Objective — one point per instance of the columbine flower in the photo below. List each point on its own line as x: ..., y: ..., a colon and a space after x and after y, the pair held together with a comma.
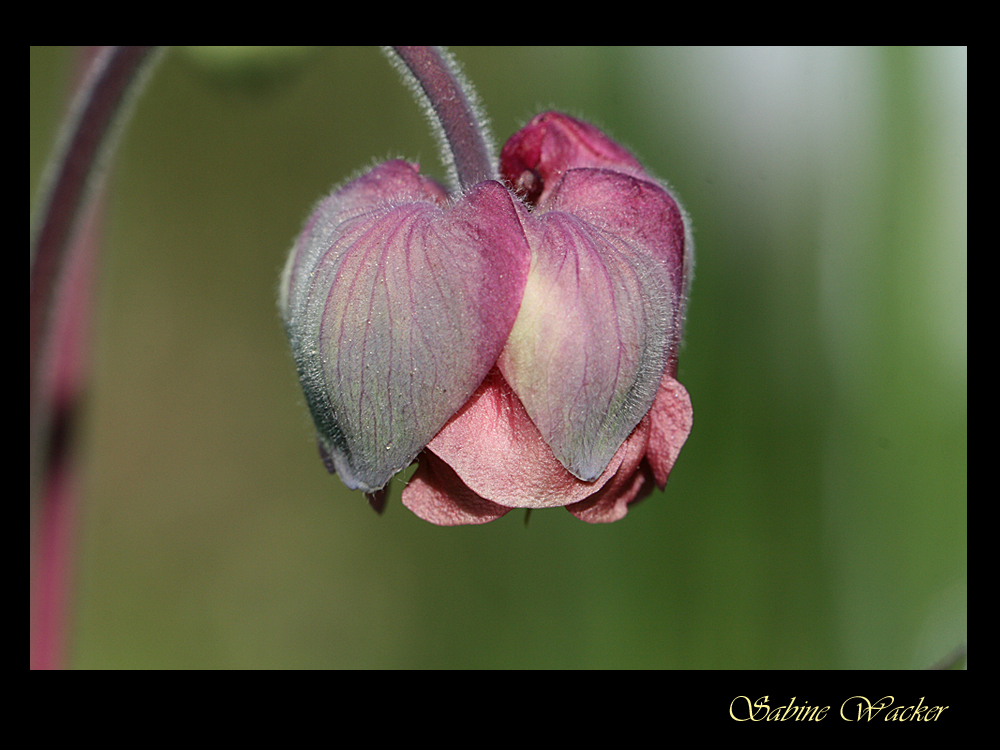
x: 518, y: 339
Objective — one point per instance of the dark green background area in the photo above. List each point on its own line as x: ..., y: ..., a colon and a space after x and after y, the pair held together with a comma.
x: 817, y: 516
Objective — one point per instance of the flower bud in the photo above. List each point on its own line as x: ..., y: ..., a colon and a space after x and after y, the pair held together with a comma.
x: 523, y: 351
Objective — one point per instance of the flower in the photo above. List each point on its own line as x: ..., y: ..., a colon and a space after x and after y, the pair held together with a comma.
x: 518, y: 339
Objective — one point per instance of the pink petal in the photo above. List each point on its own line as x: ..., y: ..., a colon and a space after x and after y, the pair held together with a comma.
x: 496, y: 450
x: 629, y: 484
x: 667, y: 426
x: 436, y: 494
x: 612, y: 503
x: 670, y: 424
x: 491, y: 448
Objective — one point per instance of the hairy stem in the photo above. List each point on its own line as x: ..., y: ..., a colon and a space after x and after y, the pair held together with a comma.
x: 454, y: 109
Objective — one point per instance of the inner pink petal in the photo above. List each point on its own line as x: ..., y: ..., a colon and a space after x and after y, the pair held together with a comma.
x: 499, y: 454
x: 436, y: 494
x: 630, y: 484
x: 670, y: 422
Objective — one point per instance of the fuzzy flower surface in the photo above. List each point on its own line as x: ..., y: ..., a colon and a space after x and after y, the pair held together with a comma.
x: 518, y: 339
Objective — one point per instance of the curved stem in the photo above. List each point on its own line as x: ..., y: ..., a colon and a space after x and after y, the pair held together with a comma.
x: 63, y: 248
x: 453, y: 102
x: 70, y: 180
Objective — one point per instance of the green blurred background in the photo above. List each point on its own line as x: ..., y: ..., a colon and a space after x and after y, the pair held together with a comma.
x: 816, y: 516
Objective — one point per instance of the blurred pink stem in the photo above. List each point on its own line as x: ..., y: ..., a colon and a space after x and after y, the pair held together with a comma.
x: 63, y: 253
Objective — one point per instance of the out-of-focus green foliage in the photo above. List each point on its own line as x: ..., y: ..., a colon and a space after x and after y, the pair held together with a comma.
x: 817, y: 515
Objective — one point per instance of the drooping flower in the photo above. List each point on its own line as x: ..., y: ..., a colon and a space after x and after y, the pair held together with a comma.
x: 518, y: 339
